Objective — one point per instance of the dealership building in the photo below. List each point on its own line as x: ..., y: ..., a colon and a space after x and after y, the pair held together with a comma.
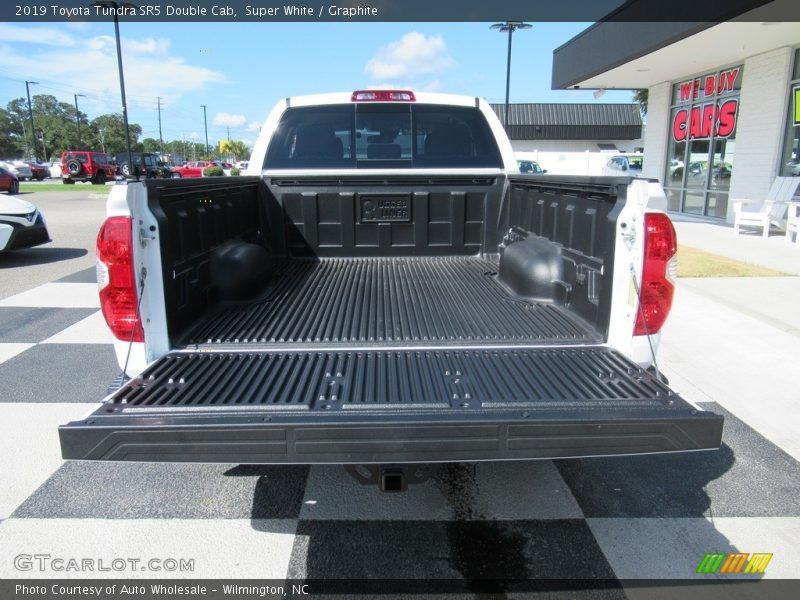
x: 723, y: 118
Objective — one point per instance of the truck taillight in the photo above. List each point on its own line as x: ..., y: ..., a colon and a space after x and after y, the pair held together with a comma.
x: 116, y: 280
x: 383, y: 96
x: 657, y: 288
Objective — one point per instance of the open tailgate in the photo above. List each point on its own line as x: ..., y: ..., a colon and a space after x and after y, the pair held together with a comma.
x: 390, y: 406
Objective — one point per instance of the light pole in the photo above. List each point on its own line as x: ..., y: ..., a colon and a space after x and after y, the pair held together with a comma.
x: 30, y: 116
x: 116, y: 8
x: 78, y: 119
x: 510, y: 27
x: 205, y: 124
x: 160, y: 137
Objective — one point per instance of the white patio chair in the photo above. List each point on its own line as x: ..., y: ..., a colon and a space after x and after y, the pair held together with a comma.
x: 772, y: 210
x: 793, y: 223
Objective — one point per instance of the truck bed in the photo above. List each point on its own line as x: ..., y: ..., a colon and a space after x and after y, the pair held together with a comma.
x: 426, y: 300
x: 305, y: 326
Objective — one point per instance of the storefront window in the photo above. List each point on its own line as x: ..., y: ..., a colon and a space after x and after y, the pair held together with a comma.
x: 694, y: 202
x: 790, y: 159
x: 673, y: 199
x: 702, y: 142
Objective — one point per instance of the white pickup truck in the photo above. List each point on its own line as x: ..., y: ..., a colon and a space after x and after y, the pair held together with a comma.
x: 384, y: 287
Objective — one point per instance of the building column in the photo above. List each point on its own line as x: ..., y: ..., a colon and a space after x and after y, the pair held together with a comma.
x: 656, y: 131
x: 760, y: 125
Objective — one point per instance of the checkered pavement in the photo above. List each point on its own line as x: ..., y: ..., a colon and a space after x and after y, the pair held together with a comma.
x: 629, y: 517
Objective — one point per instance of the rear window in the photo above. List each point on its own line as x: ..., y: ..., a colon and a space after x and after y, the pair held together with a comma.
x: 379, y: 135
x: 81, y: 156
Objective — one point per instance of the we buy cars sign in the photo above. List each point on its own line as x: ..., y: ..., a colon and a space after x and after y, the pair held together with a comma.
x: 700, y: 121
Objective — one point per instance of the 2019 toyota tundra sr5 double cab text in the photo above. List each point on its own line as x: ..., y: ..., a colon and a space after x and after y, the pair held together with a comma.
x: 384, y: 287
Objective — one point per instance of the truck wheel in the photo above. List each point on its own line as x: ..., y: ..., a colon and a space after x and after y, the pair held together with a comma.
x: 68, y: 181
x: 100, y: 179
x: 74, y: 167
x: 125, y: 169
x: 176, y: 175
x: 14, y: 188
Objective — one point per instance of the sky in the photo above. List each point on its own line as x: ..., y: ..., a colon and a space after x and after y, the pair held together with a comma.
x: 240, y: 70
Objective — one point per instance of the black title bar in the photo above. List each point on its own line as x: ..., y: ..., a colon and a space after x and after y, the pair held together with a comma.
x: 267, y: 11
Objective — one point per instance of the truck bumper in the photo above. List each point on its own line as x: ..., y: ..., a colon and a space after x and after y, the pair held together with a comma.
x: 255, y: 439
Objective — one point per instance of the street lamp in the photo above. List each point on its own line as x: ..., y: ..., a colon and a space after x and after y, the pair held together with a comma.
x: 78, y: 119
x: 116, y: 8
x: 510, y: 27
x: 30, y: 116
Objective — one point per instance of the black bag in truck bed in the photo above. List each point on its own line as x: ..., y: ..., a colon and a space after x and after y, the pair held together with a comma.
x: 458, y: 319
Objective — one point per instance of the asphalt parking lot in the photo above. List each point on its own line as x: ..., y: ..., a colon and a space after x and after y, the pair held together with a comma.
x: 594, y: 519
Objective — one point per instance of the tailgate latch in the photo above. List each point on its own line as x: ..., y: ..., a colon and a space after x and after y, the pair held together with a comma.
x: 144, y: 238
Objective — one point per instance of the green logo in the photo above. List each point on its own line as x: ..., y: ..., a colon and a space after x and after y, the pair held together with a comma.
x: 734, y: 562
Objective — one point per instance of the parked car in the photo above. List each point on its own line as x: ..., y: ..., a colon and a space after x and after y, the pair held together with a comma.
x: 18, y: 168
x: 8, y: 182
x: 21, y: 223
x: 624, y: 164
x: 675, y: 167
x: 38, y: 172
x: 530, y: 166
x: 193, y: 168
x: 242, y: 165
x: 164, y: 169
x: 80, y: 165
x: 55, y: 169
x: 699, y: 168
x: 148, y: 164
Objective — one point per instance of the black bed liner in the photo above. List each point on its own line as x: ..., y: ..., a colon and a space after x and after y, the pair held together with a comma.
x: 363, y: 406
x: 356, y: 300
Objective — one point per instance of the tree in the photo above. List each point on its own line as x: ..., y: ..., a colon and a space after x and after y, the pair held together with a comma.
x: 109, y: 134
x: 56, y: 128
x: 234, y: 148
x: 151, y: 145
x: 11, y: 141
x: 640, y: 97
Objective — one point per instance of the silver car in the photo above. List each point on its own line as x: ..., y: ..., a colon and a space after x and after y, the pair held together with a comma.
x: 18, y: 168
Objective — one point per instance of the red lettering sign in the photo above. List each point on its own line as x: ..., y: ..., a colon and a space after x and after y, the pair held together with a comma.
x: 709, y: 85
x: 701, y: 121
x: 686, y: 91
x: 726, y: 123
x: 679, y: 125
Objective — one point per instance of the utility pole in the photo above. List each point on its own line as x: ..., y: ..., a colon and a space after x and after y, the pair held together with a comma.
x: 205, y: 124
x: 229, y: 133
x: 78, y: 120
x: 160, y: 137
x: 30, y: 115
x: 122, y: 91
x: 117, y: 7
